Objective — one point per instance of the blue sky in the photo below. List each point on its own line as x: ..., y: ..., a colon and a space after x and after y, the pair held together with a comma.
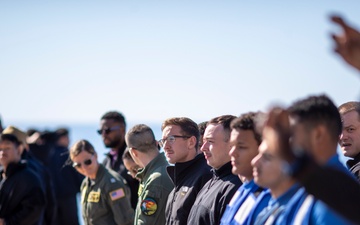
x: 71, y: 61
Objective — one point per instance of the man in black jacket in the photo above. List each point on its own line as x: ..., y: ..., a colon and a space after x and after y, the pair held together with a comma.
x: 350, y: 135
x: 180, y: 141
x: 210, y: 203
x: 22, y: 199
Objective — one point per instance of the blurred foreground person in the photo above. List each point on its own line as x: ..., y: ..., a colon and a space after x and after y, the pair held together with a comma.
x: 67, y: 180
x: 22, y: 198
x: 327, y: 183
x: 316, y: 127
x: 42, y: 172
x: 347, y: 44
x: 105, y: 199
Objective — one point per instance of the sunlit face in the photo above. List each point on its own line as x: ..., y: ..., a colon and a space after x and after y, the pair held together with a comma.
x: 350, y: 136
x: 9, y: 153
x: 244, y: 149
x: 113, y: 133
x: 267, y: 167
x: 180, y: 150
x: 86, y: 170
x: 215, y: 148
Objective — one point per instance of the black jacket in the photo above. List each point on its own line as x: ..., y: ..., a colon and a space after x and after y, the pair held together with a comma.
x: 188, y: 177
x: 22, y: 198
x: 47, y: 184
x: 210, y: 203
x: 119, y: 167
x: 354, y: 166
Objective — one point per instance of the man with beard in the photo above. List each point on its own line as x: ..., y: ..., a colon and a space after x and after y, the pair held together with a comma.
x: 112, y: 130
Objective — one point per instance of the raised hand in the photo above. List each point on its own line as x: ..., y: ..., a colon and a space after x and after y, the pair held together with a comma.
x: 347, y: 44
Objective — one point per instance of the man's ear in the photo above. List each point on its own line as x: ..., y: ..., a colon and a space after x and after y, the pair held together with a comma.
x: 192, y: 142
x: 133, y: 152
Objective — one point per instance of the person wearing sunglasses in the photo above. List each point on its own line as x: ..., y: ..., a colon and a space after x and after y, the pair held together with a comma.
x: 180, y: 141
x: 155, y: 184
x: 105, y: 199
x: 112, y: 130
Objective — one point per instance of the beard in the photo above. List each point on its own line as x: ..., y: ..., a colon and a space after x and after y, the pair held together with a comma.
x: 112, y: 143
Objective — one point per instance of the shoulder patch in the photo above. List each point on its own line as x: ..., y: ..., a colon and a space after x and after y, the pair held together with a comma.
x: 117, y: 194
x: 148, y: 206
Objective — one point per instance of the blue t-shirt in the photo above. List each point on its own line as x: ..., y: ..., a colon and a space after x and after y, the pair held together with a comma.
x: 240, y: 205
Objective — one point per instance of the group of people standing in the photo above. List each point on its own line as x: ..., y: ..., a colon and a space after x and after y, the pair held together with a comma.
x: 279, y: 167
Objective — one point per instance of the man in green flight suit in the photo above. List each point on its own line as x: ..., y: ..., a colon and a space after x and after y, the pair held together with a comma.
x: 155, y: 183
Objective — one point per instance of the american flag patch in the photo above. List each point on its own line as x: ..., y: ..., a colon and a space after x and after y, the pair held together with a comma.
x: 119, y: 193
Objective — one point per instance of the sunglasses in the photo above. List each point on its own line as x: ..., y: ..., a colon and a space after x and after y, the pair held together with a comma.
x: 86, y: 163
x: 108, y: 130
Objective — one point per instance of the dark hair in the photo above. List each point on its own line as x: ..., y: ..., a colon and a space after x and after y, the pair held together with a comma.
x: 61, y: 132
x: 202, y: 127
x: 225, y: 121
x: 247, y: 121
x: 127, y: 155
x: 316, y: 110
x: 114, y: 115
x: 142, y: 138
x: 81, y: 145
x: 10, y: 137
x: 188, y: 127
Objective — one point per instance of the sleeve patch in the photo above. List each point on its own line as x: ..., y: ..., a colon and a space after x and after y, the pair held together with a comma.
x: 117, y: 194
x: 148, y: 206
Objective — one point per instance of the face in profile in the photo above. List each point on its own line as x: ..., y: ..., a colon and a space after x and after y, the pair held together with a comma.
x: 244, y: 149
x: 215, y: 146
x: 267, y: 167
x: 176, y: 148
x: 350, y: 137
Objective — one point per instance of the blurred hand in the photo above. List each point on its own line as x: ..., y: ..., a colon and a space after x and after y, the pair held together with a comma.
x: 347, y: 44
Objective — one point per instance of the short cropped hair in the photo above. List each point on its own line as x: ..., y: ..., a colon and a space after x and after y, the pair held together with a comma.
x: 225, y: 121
x: 348, y: 107
x: 202, y: 127
x: 247, y: 121
x: 316, y: 110
x: 142, y: 138
x: 114, y: 115
x: 188, y: 127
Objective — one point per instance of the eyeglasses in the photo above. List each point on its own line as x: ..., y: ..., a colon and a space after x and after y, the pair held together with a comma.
x: 86, y: 163
x: 171, y: 139
x: 108, y: 130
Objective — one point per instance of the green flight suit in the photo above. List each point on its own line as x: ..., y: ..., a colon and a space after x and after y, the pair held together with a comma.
x: 154, y: 189
x: 106, y: 200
